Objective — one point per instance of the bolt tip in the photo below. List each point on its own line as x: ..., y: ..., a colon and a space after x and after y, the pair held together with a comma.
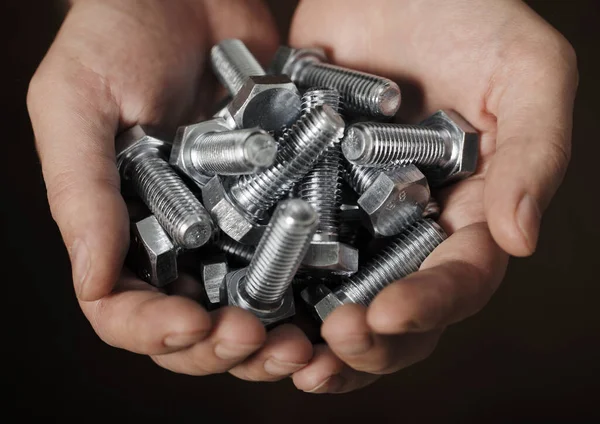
x: 389, y: 100
x: 299, y: 211
x: 195, y: 234
x: 331, y: 117
x: 356, y: 144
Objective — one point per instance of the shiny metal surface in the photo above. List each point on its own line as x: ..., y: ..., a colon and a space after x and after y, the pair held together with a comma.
x: 213, y: 272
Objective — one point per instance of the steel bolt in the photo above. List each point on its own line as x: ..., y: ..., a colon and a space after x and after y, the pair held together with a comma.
x: 140, y: 159
x: 445, y: 146
x: 234, y: 250
x: 319, y: 96
x: 264, y: 287
x: 213, y: 272
x: 401, y: 257
x: 362, y: 93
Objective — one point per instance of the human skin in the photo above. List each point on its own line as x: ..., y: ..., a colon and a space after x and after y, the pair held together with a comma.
x: 115, y: 64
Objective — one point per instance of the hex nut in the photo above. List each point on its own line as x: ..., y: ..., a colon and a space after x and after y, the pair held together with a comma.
x: 289, y: 61
x: 334, y: 256
x: 213, y: 274
x: 463, y: 148
x: 270, y: 102
x: 320, y: 300
x: 183, y: 145
x: 153, y: 254
x: 395, y: 199
x: 137, y: 141
x: 231, y: 219
x: 232, y: 295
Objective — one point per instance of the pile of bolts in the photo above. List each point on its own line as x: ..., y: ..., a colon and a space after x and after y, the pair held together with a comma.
x: 301, y: 204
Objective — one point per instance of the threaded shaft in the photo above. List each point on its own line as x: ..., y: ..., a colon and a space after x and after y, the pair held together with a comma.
x: 402, y: 257
x: 233, y: 63
x: 280, y: 251
x: 370, y: 143
x: 361, y: 93
x: 360, y: 178
x: 176, y: 208
x: 319, y: 96
x: 235, y: 250
x: 234, y: 152
x: 306, y: 142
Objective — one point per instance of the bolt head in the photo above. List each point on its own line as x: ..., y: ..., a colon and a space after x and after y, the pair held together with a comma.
x: 320, y: 300
x: 464, y: 152
x: 152, y: 253
x: 232, y: 221
x: 137, y: 141
x: 269, y: 315
x: 289, y: 61
x: 213, y: 274
x: 183, y: 146
x: 334, y: 256
x: 395, y: 200
x: 270, y: 102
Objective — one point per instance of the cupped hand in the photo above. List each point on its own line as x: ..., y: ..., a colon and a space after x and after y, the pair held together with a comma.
x: 115, y: 64
x: 513, y: 77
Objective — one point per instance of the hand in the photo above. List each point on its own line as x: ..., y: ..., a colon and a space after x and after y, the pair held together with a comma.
x: 514, y: 78
x: 115, y: 64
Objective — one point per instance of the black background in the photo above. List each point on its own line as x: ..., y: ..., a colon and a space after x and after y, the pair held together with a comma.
x: 531, y: 355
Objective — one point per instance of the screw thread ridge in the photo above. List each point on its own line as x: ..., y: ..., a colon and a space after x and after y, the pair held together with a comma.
x: 402, y: 257
x: 176, y: 208
x: 233, y: 63
x: 318, y: 96
x: 361, y: 92
x: 402, y: 144
x: 280, y: 251
x: 302, y: 148
x: 235, y: 250
x: 360, y: 178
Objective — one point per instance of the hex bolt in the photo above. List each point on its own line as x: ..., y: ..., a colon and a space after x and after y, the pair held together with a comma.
x: 141, y: 159
x: 264, y: 287
x: 235, y: 251
x: 392, y: 198
x: 362, y: 93
x: 401, y: 257
x: 213, y: 272
x: 241, y: 207
x: 445, y: 146
x: 259, y: 100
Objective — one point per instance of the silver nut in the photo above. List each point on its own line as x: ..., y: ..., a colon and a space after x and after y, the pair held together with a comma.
x: 181, y: 153
x: 153, y: 254
x: 213, y: 274
x: 232, y: 221
x: 270, y: 102
x: 137, y: 141
x: 320, y: 300
x: 289, y: 61
x: 396, y: 199
x: 268, y: 314
x: 464, y: 150
x: 334, y: 256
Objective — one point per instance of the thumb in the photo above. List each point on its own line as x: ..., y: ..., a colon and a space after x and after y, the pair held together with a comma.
x: 74, y: 119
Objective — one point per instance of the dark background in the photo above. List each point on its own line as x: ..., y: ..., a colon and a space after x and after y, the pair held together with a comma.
x: 531, y: 355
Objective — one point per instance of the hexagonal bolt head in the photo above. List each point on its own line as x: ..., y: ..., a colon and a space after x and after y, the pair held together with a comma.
x: 152, y: 253
x: 181, y: 153
x: 289, y: 61
x: 463, y: 148
x: 213, y: 274
x: 333, y: 256
x: 233, y: 294
x: 395, y: 200
x: 270, y: 102
x: 320, y: 300
x: 232, y: 221
x: 134, y: 142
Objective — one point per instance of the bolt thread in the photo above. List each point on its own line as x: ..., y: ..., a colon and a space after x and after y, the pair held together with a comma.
x: 280, y: 251
x: 393, y: 144
x: 360, y: 178
x: 402, y: 257
x: 233, y: 152
x: 233, y: 63
x: 176, y: 208
x: 361, y: 93
x: 303, y: 146
x: 319, y: 96
x: 235, y: 250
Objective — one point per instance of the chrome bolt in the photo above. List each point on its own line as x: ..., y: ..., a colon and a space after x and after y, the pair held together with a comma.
x: 141, y: 159
x: 234, y: 250
x: 264, y: 287
x: 445, y: 146
x: 319, y: 96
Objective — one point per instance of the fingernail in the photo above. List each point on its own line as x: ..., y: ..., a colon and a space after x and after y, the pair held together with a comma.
x: 80, y: 264
x: 183, y: 339
x: 229, y: 351
x: 528, y: 220
x: 331, y: 385
x: 280, y: 368
x: 355, y: 345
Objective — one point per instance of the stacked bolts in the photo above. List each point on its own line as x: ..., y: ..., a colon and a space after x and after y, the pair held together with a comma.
x: 287, y: 186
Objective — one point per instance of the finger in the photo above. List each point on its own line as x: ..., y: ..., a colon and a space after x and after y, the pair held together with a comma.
x: 286, y: 351
x: 139, y: 318
x: 534, y: 106
x: 326, y: 373
x: 74, y: 119
x: 236, y: 335
x: 455, y: 282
